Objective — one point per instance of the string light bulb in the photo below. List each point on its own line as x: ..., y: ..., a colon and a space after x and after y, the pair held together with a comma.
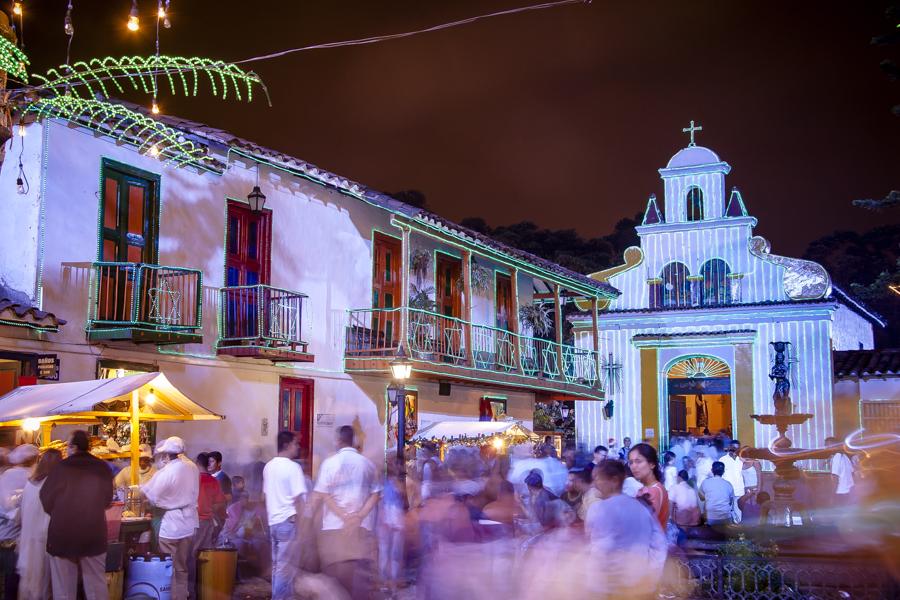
x: 67, y: 23
x: 22, y: 130
x: 17, y: 9
x: 154, y: 151
x: 134, y: 23
x: 164, y: 14
x: 161, y: 12
x: 30, y: 425
x: 154, y: 108
x: 20, y: 186
x: 150, y: 398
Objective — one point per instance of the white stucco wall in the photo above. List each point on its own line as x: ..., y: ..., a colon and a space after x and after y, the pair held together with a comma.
x: 851, y: 331
x: 20, y: 226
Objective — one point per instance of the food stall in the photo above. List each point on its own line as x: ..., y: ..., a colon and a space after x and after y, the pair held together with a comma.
x: 146, y: 397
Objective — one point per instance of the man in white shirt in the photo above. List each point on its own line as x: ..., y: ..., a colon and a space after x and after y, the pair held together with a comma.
x: 841, y: 474
x: 349, y: 487
x: 175, y: 488
x: 283, y: 487
x: 734, y: 475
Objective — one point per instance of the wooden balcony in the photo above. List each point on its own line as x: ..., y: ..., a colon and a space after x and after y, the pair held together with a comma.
x: 144, y: 304
x: 261, y: 321
x: 449, y: 348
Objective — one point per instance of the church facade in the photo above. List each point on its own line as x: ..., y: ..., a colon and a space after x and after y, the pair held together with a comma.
x: 686, y: 347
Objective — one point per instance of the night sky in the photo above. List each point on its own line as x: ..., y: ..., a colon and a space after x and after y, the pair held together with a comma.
x: 562, y: 116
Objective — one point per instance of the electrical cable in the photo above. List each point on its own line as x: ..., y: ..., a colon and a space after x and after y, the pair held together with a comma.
x: 405, y: 34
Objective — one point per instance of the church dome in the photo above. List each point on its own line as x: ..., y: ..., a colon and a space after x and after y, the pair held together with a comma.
x: 693, y: 156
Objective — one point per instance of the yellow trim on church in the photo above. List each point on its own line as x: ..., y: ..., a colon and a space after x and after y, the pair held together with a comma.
x: 633, y: 256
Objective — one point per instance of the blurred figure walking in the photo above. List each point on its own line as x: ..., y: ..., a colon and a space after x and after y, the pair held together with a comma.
x: 284, y: 487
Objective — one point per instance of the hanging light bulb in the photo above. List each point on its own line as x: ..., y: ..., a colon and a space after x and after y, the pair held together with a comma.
x: 165, y: 14
x: 21, y: 181
x: 69, y: 29
x: 154, y: 108
x: 161, y: 12
x: 154, y: 151
x: 17, y: 9
x: 22, y: 130
x: 133, y: 22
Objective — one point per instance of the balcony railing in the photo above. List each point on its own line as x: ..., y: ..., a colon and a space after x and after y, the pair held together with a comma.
x: 434, y: 338
x: 143, y: 302
x: 261, y: 321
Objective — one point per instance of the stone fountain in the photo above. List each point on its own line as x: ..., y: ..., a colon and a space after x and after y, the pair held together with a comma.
x: 784, y: 507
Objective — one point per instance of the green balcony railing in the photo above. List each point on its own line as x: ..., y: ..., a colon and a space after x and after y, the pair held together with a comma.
x: 143, y: 296
x: 447, y: 340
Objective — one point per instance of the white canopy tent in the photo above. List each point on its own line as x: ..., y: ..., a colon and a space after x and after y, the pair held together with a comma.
x: 461, y: 432
x: 136, y: 398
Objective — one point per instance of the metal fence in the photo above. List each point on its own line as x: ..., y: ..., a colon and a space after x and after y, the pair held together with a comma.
x: 142, y: 295
x: 794, y: 578
x: 261, y: 314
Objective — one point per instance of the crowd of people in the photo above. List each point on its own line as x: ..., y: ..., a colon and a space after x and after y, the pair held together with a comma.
x: 444, y: 518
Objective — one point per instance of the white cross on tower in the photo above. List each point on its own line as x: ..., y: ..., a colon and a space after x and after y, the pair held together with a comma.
x: 691, y: 131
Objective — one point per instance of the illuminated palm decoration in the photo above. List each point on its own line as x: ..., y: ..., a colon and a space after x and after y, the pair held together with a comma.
x: 80, y: 93
x: 699, y: 366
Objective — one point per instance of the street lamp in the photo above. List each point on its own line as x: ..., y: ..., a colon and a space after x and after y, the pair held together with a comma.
x: 401, y: 369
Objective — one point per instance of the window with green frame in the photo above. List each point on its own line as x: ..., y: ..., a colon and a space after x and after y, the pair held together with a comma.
x: 129, y: 214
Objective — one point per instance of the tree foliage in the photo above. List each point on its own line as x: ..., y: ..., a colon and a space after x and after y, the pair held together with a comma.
x: 565, y: 246
x: 865, y: 264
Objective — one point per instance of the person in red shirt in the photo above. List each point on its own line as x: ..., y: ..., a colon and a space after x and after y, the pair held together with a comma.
x: 210, y: 506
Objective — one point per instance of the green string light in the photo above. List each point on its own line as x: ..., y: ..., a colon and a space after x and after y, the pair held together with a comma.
x: 88, y: 79
x: 125, y: 125
x: 12, y: 59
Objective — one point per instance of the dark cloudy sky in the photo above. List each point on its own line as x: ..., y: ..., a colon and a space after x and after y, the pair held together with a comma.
x: 560, y: 116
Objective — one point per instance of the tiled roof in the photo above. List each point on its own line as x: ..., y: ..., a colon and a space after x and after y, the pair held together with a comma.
x: 857, y: 306
x: 14, y: 313
x: 653, y: 336
x: 479, y: 238
x: 866, y: 363
x: 369, y: 195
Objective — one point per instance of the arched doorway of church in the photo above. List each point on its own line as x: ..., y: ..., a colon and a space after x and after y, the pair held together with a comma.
x: 699, y: 395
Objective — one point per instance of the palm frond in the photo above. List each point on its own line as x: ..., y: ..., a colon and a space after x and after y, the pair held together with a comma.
x: 124, y: 125
x: 87, y: 79
x: 13, y: 60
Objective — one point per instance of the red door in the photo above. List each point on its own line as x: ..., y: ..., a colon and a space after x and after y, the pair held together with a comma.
x: 385, y: 290
x: 247, y: 250
x: 295, y: 411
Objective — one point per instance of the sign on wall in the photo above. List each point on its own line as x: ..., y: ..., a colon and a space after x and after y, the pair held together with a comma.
x: 48, y: 367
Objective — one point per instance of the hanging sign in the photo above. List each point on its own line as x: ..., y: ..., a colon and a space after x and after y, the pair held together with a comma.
x: 48, y: 367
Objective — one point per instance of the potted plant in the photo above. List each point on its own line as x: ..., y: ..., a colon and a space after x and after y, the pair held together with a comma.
x: 421, y: 321
x: 535, y: 318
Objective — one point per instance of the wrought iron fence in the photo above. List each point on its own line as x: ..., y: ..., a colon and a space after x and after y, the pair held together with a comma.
x: 261, y: 314
x: 142, y: 295
x: 794, y: 578
x: 442, y: 339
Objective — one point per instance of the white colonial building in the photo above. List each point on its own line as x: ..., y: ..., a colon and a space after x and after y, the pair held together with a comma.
x: 686, y: 346
x: 114, y: 260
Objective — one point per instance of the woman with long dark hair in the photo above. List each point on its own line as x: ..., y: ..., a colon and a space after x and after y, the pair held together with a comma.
x: 644, y: 464
x: 34, y: 562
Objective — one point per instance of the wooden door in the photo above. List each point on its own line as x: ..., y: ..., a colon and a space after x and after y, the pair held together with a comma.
x: 128, y: 234
x: 295, y: 411
x: 386, y: 281
x: 248, y: 245
x: 505, y: 302
x: 449, y: 293
x: 130, y: 225
x: 248, y: 248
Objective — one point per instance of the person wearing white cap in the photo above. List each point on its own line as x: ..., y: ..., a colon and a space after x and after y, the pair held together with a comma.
x: 145, y: 472
x: 12, y: 483
x: 175, y: 489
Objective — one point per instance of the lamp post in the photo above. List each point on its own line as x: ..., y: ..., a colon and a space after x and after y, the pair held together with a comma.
x: 401, y: 369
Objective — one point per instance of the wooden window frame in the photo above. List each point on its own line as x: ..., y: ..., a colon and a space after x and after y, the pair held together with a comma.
x: 153, y: 179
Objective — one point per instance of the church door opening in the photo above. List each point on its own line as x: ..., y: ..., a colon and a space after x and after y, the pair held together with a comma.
x: 699, y: 394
